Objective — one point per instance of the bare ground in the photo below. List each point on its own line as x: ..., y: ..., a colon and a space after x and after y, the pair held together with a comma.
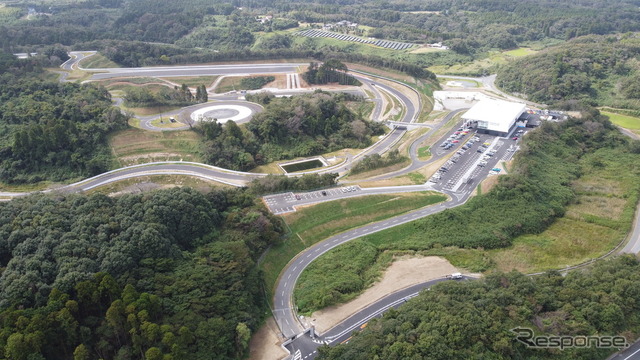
x: 403, y: 272
x: 265, y: 343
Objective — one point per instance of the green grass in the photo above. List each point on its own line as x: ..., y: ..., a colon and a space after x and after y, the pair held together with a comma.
x: 312, y: 224
x: 135, y: 146
x: 417, y: 178
x: 424, y: 153
x: 485, y: 64
x: 319, y: 222
x: 625, y: 121
x: 98, y: 61
x: 523, y: 51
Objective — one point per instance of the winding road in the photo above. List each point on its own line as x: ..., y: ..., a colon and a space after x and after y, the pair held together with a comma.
x: 284, y: 310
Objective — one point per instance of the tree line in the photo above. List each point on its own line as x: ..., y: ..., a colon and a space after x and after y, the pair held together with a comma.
x: 164, y: 275
x: 50, y: 130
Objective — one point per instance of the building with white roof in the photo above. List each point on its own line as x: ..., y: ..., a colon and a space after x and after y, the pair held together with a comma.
x: 495, y: 117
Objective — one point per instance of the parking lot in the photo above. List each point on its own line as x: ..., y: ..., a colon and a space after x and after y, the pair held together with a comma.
x: 284, y: 203
x: 472, y: 157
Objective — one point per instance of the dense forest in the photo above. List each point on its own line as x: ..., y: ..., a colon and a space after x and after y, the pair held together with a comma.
x: 165, y: 275
x: 288, y: 127
x: 601, y: 70
x: 468, y: 28
x: 51, y: 130
x: 471, y: 319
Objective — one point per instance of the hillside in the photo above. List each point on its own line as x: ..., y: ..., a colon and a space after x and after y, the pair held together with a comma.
x: 601, y: 70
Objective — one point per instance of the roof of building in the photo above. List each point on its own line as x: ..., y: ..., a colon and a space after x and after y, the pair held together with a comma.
x: 498, y: 113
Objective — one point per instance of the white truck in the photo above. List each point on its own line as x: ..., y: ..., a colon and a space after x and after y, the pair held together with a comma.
x: 456, y: 276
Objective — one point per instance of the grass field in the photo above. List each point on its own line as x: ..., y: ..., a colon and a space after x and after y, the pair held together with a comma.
x: 482, y: 65
x: 599, y: 218
x: 520, y: 52
x: 625, y: 121
x: 165, y: 123
x: 145, y: 111
x: 153, y: 182
x: 424, y: 153
x: 314, y: 223
x: 135, y: 146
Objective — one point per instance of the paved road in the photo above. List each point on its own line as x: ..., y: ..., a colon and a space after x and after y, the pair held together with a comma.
x: 196, y: 70
x: 75, y: 58
x: 307, y: 346
x: 283, y: 311
x: 630, y: 353
x: 287, y: 202
x: 145, y: 121
x: 633, y: 245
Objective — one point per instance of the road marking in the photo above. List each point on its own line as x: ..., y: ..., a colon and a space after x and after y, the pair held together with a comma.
x: 289, y: 277
x: 629, y: 357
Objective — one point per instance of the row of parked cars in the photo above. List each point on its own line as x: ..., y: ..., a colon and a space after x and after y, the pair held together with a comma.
x: 455, y: 138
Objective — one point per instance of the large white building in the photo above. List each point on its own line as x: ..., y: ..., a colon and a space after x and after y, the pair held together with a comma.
x: 495, y: 117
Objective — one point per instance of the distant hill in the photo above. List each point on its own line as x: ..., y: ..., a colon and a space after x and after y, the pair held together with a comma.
x: 602, y: 70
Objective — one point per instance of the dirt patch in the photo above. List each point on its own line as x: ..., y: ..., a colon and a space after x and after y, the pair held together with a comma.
x: 403, y: 272
x: 265, y: 343
x: 279, y: 83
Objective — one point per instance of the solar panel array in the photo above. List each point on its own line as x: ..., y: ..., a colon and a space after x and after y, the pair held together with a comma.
x: 393, y: 45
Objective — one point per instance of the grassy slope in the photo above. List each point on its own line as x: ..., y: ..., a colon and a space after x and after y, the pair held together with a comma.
x: 133, y: 146
x: 625, y: 121
x: 598, y: 220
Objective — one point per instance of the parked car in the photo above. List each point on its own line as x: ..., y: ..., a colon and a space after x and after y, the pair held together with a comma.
x: 298, y: 197
x: 515, y: 138
x: 324, y: 193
